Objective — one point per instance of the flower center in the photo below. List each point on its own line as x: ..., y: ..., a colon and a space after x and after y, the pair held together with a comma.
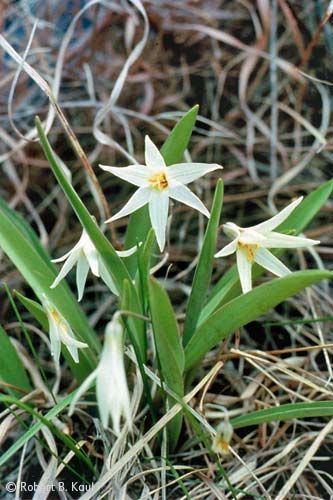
x: 158, y: 181
x: 221, y: 446
x: 56, y: 316
x: 249, y: 249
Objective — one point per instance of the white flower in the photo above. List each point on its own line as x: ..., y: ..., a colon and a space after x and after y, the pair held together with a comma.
x: 222, y: 438
x: 85, y: 255
x: 157, y: 183
x: 112, y: 392
x: 60, y: 332
x: 251, y: 243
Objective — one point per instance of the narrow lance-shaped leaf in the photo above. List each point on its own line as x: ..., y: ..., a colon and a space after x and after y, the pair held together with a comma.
x: 228, y: 286
x: 144, y: 260
x: 246, y: 308
x: 26, y: 231
x: 172, y: 151
x: 169, y: 349
x: 284, y: 412
x: 112, y: 262
x: 204, y: 268
x: 34, y: 308
x: 12, y: 371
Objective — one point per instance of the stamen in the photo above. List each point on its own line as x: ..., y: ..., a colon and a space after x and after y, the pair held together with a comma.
x: 221, y: 446
x: 249, y: 249
x: 159, y: 181
x: 56, y: 316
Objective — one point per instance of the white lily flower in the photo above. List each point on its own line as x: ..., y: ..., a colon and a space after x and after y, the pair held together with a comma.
x: 157, y: 183
x: 85, y: 255
x: 251, y: 244
x: 222, y: 438
x: 112, y: 392
x: 60, y: 332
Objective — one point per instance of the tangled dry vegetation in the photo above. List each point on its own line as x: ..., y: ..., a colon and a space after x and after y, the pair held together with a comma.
x: 261, y: 72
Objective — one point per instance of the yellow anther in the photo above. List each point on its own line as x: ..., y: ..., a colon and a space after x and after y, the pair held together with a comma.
x: 250, y: 250
x: 159, y: 181
x: 220, y: 445
x: 56, y: 316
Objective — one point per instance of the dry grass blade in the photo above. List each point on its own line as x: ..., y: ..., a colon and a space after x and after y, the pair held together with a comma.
x: 70, y: 134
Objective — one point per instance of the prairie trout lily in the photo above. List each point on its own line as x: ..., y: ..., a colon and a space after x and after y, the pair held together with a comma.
x: 112, y: 392
x: 222, y: 438
x: 60, y: 332
x: 157, y: 183
x: 251, y: 244
x: 85, y: 255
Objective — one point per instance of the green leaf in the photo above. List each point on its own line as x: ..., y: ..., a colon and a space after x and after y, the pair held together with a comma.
x: 172, y: 151
x: 175, y: 145
x: 26, y: 231
x: 34, y: 308
x: 169, y: 349
x: 246, y: 308
x: 112, y: 262
x: 130, y: 323
x: 284, y: 412
x: 12, y: 371
x: 144, y: 260
x: 135, y: 324
x: 204, y: 268
x: 228, y: 286
x: 40, y: 274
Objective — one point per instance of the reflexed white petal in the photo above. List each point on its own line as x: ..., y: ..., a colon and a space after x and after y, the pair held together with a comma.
x: 69, y: 264
x: 275, y: 221
x: 104, y: 395
x: 227, y: 250
x: 278, y: 240
x: 72, y: 349
x: 267, y: 260
x: 244, y: 270
x: 67, y: 338
x: 139, y: 198
x: 81, y: 275
x: 76, y: 248
x: 183, y: 194
x: 189, y: 172
x: 91, y: 255
x: 153, y: 157
x: 64, y: 257
x: 135, y: 174
x: 128, y: 252
x: 158, y: 213
x: 231, y: 230
x: 107, y: 278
